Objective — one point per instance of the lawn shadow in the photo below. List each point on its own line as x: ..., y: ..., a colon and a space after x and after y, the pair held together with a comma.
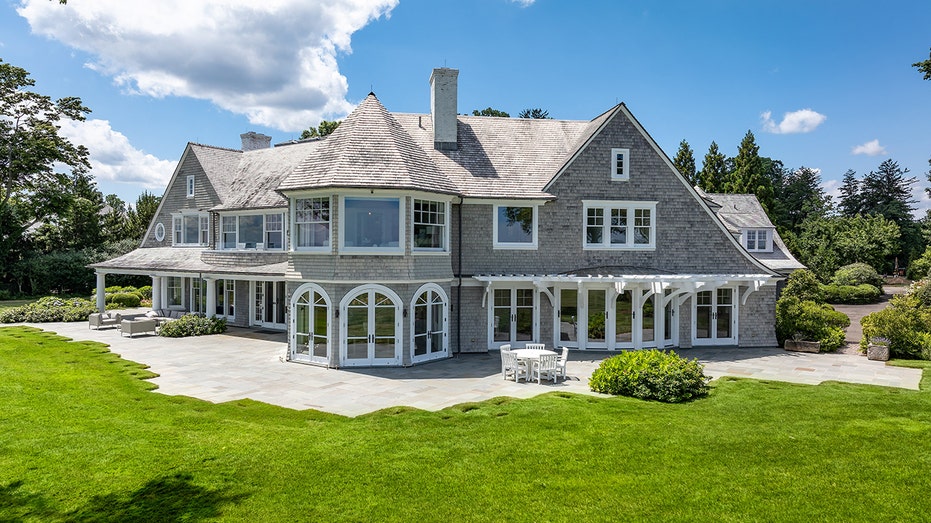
x: 166, y: 499
x: 16, y: 504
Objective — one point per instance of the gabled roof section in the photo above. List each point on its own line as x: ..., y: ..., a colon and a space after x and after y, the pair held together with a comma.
x: 219, y: 164
x: 370, y: 149
x: 261, y: 171
x: 500, y: 158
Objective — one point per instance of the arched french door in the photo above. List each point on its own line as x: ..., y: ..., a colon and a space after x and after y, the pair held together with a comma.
x: 429, y: 324
x: 370, y: 323
x: 310, y: 325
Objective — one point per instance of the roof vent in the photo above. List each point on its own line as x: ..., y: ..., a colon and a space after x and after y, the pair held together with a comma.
x: 252, y: 141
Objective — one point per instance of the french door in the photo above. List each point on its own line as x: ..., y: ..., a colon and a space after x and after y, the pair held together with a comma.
x: 310, y: 325
x: 372, y: 328
x: 512, y: 317
x: 269, y: 304
x: 430, y: 326
x: 605, y: 319
x: 715, y: 315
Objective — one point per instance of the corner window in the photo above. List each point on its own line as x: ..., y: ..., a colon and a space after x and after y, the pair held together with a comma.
x: 758, y: 240
x: 620, y: 225
x: 515, y: 227
x: 429, y: 225
x: 190, y: 186
x: 252, y: 231
x: 371, y: 225
x: 620, y: 164
x: 190, y: 229
x: 312, y: 223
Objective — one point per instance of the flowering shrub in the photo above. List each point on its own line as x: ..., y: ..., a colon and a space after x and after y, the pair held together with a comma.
x: 192, y: 325
x: 650, y: 374
x: 50, y: 309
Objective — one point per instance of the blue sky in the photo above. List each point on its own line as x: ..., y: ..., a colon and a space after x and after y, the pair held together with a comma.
x: 826, y: 85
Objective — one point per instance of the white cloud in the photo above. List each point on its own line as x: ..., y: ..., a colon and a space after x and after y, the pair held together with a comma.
x: 801, y: 121
x: 113, y: 158
x: 524, y: 3
x: 871, y: 148
x: 273, y: 61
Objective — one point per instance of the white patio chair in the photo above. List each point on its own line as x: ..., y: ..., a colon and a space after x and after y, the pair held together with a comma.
x: 545, y: 366
x: 512, y: 367
x: 561, y: 362
x: 535, y: 346
x: 504, y: 348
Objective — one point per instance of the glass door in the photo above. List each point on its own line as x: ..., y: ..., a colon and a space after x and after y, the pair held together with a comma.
x: 568, y: 317
x: 269, y: 304
x: 311, y: 328
x: 512, y: 317
x: 597, y: 314
x: 624, y: 320
x: 429, y: 326
x: 715, y: 317
x: 372, y: 331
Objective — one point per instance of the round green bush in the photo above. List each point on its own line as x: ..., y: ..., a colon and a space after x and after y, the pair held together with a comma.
x: 804, y: 285
x: 192, y: 325
x: 125, y: 299
x: 857, y: 274
x: 650, y: 375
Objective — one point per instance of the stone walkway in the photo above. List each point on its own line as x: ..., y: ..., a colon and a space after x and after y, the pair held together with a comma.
x: 246, y: 364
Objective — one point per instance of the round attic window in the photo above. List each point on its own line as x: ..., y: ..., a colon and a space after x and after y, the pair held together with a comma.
x: 159, y: 232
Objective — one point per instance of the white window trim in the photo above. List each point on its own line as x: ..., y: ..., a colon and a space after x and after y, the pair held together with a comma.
x: 510, y: 245
x: 160, y: 232
x: 190, y: 186
x: 175, y: 218
x: 630, y: 207
x: 292, y: 211
x: 744, y: 240
x: 257, y: 212
x: 614, y: 176
x: 380, y: 251
x: 431, y: 250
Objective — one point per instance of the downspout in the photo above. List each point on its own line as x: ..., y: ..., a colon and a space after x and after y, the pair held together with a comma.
x: 459, y: 284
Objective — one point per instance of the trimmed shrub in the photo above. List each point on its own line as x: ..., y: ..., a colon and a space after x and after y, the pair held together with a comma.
x: 145, y: 292
x: 192, y: 325
x: 650, y: 375
x: 807, y: 320
x: 50, y: 309
x: 906, y: 323
x: 857, y: 274
x: 125, y: 299
x: 851, y: 294
x: 804, y: 285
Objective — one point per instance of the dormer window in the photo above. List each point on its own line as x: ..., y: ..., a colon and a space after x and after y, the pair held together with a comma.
x: 620, y: 164
x: 758, y: 240
x: 190, y: 186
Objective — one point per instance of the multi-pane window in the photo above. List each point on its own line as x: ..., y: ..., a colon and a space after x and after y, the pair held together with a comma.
x: 620, y: 164
x: 190, y: 186
x: 312, y: 222
x: 174, y: 288
x: 252, y: 231
x: 226, y: 298
x: 758, y: 240
x: 620, y: 225
x: 429, y: 225
x: 190, y: 229
x: 515, y: 227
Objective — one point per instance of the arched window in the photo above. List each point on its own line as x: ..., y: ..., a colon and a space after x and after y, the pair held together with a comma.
x: 370, y: 322
x: 310, y: 325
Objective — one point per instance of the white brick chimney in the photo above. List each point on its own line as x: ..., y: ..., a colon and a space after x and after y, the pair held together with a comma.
x: 444, y: 107
x: 253, y: 140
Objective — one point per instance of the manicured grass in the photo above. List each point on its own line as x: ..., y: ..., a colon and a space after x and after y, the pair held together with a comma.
x: 9, y: 304
x: 83, y: 438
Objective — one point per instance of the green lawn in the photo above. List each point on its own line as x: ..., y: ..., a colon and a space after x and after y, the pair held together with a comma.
x: 9, y: 304
x: 82, y: 438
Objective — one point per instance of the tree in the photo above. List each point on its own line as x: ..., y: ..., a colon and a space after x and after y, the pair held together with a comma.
x: 685, y: 162
x: 115, y: 219
x: 141, y: 215
x: 888, y: 192
x: 325, y: 128
x: 826, y: 244
x: 488, y: 111
x: 713, y: 170
x: 924, y: 67
x: 536, y: 114
x: 748, y: 176
x: 850, y: 204
x: 801, y: 198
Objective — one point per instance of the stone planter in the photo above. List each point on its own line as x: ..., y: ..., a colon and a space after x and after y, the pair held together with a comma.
x: 803, y: 346
x: 877, y: 352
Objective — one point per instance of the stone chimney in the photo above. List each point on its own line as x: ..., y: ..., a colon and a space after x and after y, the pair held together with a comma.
x: 252, y: 141
x: 443, y: 106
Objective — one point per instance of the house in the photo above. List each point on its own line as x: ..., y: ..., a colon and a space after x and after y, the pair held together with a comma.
x: 404, y: 238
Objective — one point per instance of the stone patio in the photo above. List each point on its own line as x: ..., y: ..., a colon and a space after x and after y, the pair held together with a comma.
x: 244, y: 363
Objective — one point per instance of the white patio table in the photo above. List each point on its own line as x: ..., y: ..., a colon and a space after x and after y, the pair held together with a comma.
x: 530, y: 357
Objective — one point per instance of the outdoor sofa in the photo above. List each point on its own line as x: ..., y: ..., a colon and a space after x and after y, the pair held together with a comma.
x: 139, y: 326
x: 104, y: 319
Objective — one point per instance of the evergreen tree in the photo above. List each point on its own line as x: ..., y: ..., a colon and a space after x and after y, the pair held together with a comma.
x: 748, y: 175
x: 535, y: 114
x: 802, y: 199
x: 850, y: 204
x: 685, y: 162
x: 713, y: 170
x: 325, y: 128
x: 141, y: 215
x: 888, y: 192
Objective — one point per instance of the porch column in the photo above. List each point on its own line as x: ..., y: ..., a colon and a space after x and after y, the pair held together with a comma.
x: 156, y: 292
x: 211, y: 297
x: 101, y: 291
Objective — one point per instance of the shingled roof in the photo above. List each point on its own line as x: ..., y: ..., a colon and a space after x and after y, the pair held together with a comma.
x: 260, y: 172
x: 220, y: 166
x: 369, y: 149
